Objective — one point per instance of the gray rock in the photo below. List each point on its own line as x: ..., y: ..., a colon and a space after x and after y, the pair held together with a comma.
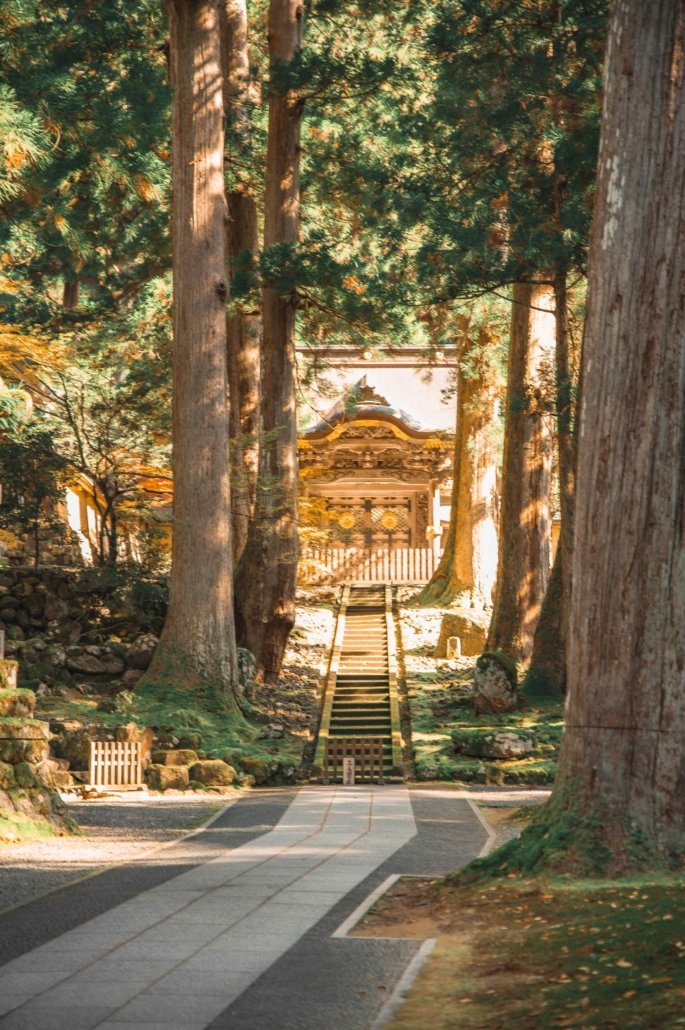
x: 494, y: 684
x: 94, y: 650
x: 15, y: 632
x: 130, y: 678
x: 55, y: 655
x: 139, y: 654
x: 86, y: 663
x: 274, y: 731
x: 112, y: 665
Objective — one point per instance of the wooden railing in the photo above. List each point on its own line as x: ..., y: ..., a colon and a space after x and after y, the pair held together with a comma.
x: 373, y: 565
x: 115, y: 764
x: 366, y: 751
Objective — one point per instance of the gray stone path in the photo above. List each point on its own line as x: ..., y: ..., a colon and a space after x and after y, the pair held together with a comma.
x: 177, y: 955
x: 332, y: 983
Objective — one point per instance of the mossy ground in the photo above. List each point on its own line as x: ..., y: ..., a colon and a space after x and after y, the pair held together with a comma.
x: 201, y: 720
x: 440, y: 702
x: 527, y: 954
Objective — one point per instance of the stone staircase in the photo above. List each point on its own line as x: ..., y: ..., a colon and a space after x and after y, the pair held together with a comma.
x: 361, y: 696
x: 361, y: 703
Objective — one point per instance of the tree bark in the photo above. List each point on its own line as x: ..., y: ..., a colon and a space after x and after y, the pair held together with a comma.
x: 70, y: 294
x: 243, y: 326
x: 622, y: 756
x: 547, y: 671
x: 198, y: 643
x: 525, y: 529
x: 243, y: 338
x: 266, y: 573
x: 469, y: 562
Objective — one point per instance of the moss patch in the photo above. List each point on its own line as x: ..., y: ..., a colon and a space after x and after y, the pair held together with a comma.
x: 16, y: 827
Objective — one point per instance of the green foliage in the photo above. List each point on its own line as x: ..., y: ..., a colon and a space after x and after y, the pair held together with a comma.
x: 33, y: 478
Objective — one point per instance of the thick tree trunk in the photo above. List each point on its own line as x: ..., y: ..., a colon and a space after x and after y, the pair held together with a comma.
x: 525, y: 530
x: 547, y: 671
x: 469, y: 562
x: 622, y: 757
x: 198, y: 644
x: 243, y: 327
x: 243, y: 337
x: 266, y: 573
x: 70, y: 294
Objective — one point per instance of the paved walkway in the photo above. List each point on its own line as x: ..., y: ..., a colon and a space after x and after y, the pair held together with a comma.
x: 243, y: 938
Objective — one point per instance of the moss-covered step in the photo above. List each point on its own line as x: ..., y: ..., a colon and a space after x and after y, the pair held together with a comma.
x: 12, y: 728
x: 17, y: 702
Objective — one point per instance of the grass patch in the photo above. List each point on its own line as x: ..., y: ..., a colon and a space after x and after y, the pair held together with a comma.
x: 16, y: 827
x: 442, y: 712
x: 531, y: 954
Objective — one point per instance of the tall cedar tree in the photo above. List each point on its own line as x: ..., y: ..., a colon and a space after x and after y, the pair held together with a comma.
x: 266, y: 573
x: 243, y: 327
x: 525, y: 530
x: 198, y: 642
x: 526, y: 86
x: 619, y: 791
x: 468, y: 565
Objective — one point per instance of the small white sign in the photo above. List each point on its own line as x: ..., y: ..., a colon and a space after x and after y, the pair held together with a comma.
x: 2, y: 644
x: 348, y: 771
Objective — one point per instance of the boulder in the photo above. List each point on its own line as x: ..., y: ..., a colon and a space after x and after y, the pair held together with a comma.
x: 213, y: 773
x: 130, y: 678
x: 39, y: 775
x: 55, y: 655
x: 477, y: 743
x: 85, y: 663
x: 494, y: 684
x: 112, y: 665
x: 14, y: 632
x: 163, y: 777
x: 45, y: 673
x: 469, y: 625
x: 74, y: 747
x: 181, y: 757
x: 274, y: 731
x: 17, y: 702
x: 31, y: 751
x: 261, y: 769
x: 139, y: 654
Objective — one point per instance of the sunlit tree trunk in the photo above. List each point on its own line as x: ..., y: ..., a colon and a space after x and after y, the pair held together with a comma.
x: 198, y: 644
x: 266, y: 572
x: 547, y: 670
x: 468, y: 564
x: 622, y: 755
x: 243, y: 328
x: 525, y: 527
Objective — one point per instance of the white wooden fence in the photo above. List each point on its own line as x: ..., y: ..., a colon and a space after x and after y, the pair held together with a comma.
x: 361, y: 565
x: 115, y: 764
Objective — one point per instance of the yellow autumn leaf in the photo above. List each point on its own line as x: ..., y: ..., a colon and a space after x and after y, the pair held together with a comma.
x: 624, y: 964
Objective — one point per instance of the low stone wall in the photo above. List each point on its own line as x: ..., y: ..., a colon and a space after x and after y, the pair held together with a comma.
x: 28, y: 772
